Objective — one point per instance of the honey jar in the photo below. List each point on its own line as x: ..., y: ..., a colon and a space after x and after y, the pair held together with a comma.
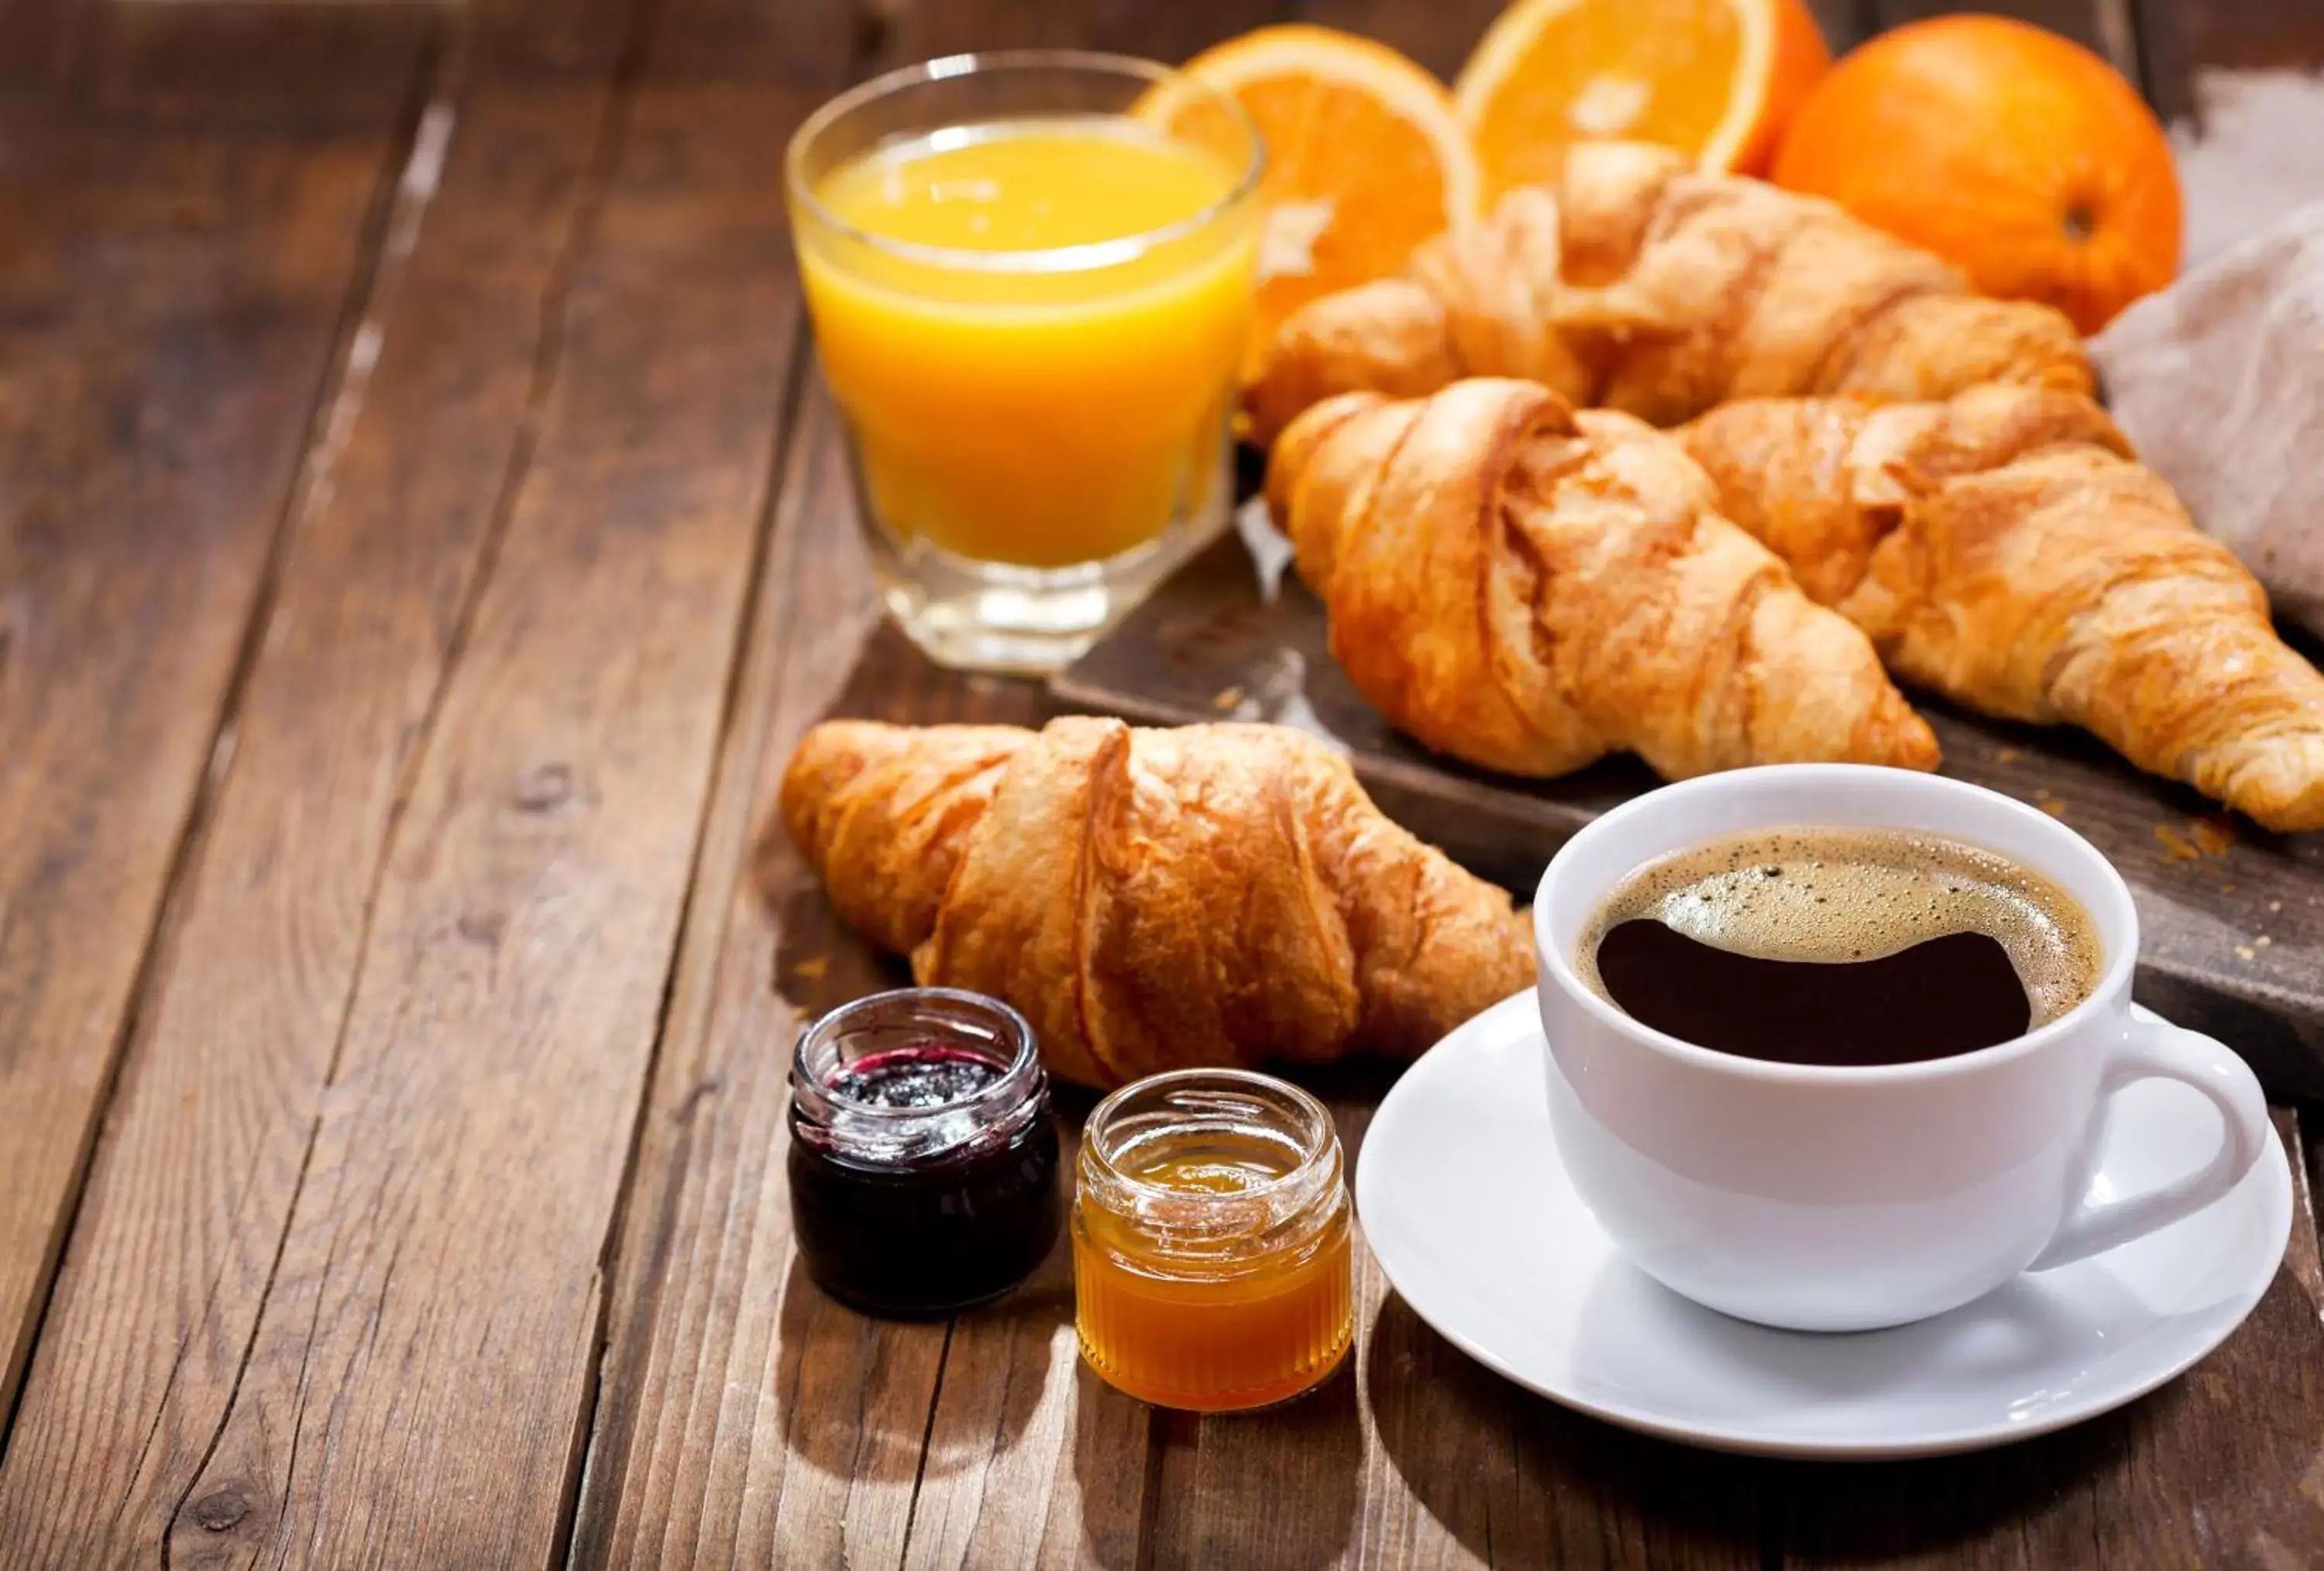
x: 1212, y: 1242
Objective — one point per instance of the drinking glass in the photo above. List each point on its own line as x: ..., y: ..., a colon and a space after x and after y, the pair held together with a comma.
x: 1038, y: 433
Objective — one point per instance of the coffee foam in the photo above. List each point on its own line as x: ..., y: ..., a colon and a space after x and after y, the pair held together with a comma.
x: 1839, y: 895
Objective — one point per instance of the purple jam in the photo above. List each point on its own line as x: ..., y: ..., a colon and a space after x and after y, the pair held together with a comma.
x: 924, y: 1075
x: 927, y: 1236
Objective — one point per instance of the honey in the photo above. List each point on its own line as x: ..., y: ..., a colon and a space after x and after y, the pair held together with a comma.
x: 1212, y: 1265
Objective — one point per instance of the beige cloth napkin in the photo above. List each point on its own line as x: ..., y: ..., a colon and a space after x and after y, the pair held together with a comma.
x: 2219, y: 381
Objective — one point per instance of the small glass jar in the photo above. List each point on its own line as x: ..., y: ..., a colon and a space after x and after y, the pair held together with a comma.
x: 1212, y: 1265
x: 923, y: 1158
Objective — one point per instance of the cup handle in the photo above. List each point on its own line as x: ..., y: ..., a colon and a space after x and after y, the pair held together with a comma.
x: 2155, y: 1050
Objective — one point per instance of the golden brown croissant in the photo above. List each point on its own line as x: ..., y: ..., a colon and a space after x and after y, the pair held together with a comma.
x: 1152, y: 900
x: 1642, y: 284
x: 2006, y: 549
x: 1528, y: 589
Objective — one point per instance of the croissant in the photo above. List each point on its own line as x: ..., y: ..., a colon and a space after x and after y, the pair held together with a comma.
x: 1529, y: 588
x: 1642, y: 284
x: 2006, y: 549
x: 1152, y: 900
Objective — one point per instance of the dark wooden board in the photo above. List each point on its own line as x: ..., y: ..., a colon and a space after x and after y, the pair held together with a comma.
x: 2232, y: 917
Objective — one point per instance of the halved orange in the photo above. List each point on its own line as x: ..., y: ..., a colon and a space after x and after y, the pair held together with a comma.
x: 1718, y: 79
x: 1365, y: 159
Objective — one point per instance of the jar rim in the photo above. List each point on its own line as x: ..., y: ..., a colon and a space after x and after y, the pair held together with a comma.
x: 1175, y: 1217
x: 938, y: 1012
x: 1089, y: 256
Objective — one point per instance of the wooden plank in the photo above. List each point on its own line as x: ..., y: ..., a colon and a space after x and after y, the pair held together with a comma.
x: 1032, y: 1460
x: 2218, y: 1468
x: 192, y: 1187
x: 420, y: 1379
x: 180, y: 255
x: 2183, y: 37
x: 2208, y: 889
x: 743, y: 1413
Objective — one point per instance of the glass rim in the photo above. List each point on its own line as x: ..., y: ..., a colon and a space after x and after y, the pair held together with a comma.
x: 1019, y: 1078
x: 1089, y: 256
x: 1295, y: 1110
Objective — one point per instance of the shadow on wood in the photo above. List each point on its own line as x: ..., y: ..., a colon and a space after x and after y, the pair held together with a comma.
x: 1519, y: 1480
x: 1277, y: 1488
x: 829, y: 1360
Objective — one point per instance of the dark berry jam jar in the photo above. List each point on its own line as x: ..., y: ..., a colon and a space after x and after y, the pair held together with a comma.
x: 923, y: 1157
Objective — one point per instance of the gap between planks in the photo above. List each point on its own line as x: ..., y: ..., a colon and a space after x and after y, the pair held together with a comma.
x: 151, y: 971
x: 690, y: 989
x: 391, y: 231
x: 425, y: 145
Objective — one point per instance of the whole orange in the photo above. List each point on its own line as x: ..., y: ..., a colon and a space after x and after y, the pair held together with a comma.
x: 2019, y: 156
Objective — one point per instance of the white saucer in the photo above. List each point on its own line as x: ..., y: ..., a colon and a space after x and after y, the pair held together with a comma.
x: 1468, y: 1209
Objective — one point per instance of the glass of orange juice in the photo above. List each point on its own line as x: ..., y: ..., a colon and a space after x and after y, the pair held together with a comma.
x: 1030, y: 275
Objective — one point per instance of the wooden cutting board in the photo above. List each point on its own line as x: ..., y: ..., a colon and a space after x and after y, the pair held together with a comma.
x: 2232, y: 917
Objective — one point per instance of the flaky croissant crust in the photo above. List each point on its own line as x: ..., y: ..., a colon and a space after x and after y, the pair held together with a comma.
x: 1152, y: 898
x: 1642, y: 284
x: 1529, y: 588
x: 2005, y: 548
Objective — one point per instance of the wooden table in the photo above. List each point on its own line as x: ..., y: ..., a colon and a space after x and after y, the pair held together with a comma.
x: 422, y: 539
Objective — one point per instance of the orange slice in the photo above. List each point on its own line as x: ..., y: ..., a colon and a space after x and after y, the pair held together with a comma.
x: 1716, y: 79
x: 1365, y: 159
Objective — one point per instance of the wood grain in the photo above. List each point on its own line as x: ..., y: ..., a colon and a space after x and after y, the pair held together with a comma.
x: 447, y: 1146
x: 746, y: 1419
x: 192, y: 1187
x: 2209, y: 889
x: 2181, y: 37
x: 179, y: 254
x: 419, y: 1378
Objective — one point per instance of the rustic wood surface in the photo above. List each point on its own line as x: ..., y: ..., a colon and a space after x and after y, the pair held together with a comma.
x: 422, y: 538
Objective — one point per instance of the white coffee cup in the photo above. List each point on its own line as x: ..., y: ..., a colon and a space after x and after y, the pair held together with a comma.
x: 1842, y: 1199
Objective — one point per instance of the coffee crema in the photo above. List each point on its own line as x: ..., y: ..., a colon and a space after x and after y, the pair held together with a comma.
x: 1840, y: 947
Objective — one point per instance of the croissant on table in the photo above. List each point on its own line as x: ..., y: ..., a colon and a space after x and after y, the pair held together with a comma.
x: 1151, y: 899
x: 1641, y: 283
x: 1529, y: 588
x: 2004, y: 549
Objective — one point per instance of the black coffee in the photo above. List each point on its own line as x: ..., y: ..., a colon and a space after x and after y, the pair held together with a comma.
x: 1840, y: 947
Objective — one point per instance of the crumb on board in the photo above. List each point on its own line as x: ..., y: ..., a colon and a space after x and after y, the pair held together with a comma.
x: 2245, y: 952
x: 2006, y: 756
x: 2215, y: 837
x: 2262, y: 942
x: 1226, y: 698
x: 2176, y: 847
x: 2053, y: 806
x: 2275, y: 905
x: 2228, y: 887
x: 812, y: 969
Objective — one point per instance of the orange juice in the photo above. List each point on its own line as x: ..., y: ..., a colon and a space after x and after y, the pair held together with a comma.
x: 1033, y: 328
